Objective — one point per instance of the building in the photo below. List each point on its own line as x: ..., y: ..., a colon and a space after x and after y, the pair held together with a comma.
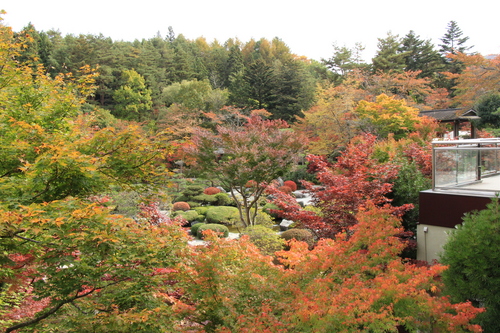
x: 456, y: 117
x: 465, y: 177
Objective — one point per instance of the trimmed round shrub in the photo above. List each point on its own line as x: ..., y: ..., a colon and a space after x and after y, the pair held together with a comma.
x: 223, y: 215
x: 190, y: 215
x: 285, y: 189
x: 211, y: 190
x: 193, y: 190
x: 222, y: 230
x: 223, y: 199
x: 267, y: 240
x: 291, y: 184
x: 302, y: 235
x: 181, y: 205
x: 205, y: 198
x: 195, y: 227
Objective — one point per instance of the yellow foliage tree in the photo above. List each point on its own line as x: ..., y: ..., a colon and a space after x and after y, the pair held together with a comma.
x: 387, y: 115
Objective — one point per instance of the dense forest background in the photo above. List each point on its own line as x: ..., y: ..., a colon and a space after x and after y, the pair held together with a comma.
x: 144, y: 79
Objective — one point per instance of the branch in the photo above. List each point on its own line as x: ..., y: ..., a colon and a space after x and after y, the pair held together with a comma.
x: 48, y: 313
x: 57, y: 307
x: 28, y: 239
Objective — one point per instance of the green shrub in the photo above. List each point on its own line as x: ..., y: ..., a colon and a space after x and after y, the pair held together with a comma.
x: 264, y: 219
x: 267, y: 240
x: 219, y: 228
x: 268, y: 207
x: 471, y: 254
x: 181, y: 205
x: 180, y: 198
x: 223, y: 215
x: 193, y: 190
x: 302, y: 235
x: 194, y: 204
x: 205, y: 198
x: 194, y: 228
x: 190, y: 215
x: 202, y: 210
x: 223, y: 199
x: 300, y: 173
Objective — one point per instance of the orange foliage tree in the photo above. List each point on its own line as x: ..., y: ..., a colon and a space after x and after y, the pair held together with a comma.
x: 480, y: 77
x: 355, y: 283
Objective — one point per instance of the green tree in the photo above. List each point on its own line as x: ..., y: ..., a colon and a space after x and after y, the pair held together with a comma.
x: 389, y: 56
x: 259, y: 82
x: 345, y: 59
x: 293, y: 93
x: 133, y: 98
x: 453, y: 42
x: 421, y: 56
x: 471, y: 254
x: 488, y: 108
x: 195, y: 95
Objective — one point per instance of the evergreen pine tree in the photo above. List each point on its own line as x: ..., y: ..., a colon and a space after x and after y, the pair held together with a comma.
x: 453, y: 42
x: 389, y: 56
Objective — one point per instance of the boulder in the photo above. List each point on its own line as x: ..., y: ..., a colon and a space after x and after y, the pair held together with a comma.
x: 285, y: 225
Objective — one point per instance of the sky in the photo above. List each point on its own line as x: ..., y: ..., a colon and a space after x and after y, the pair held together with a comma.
x: 309, y: 27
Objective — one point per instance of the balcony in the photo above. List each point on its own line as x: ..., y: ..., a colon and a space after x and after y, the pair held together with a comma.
x: 465, y: 177
x: 463, y: 166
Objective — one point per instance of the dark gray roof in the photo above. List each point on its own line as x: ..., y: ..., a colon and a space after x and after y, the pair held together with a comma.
x: 449, y: 115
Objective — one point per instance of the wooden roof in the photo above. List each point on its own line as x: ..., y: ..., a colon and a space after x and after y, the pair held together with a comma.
x: 451, y: 115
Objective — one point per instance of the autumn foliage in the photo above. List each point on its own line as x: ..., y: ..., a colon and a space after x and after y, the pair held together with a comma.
x: 291, y: 184
x: 211, y: 190
x: 354, y: 283
x: 181, y: 205
x: 346, y: 186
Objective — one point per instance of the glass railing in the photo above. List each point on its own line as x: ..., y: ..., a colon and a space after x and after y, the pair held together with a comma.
x: 466, y: 164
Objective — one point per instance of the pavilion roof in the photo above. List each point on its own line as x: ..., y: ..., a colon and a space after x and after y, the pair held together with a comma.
x: 451, y: 115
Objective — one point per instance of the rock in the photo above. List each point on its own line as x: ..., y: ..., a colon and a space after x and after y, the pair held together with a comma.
x: 299, y: 194
x: 280, y: 181
x: 285, y: 225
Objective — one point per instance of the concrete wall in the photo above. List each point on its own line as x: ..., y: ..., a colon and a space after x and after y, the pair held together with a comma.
x: 430, y: 239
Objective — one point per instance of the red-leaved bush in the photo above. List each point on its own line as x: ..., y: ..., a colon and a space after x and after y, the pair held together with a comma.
x: 291, y: 184
x: 285, y: 189
x: 211, y: 190
x: 181, y: 205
